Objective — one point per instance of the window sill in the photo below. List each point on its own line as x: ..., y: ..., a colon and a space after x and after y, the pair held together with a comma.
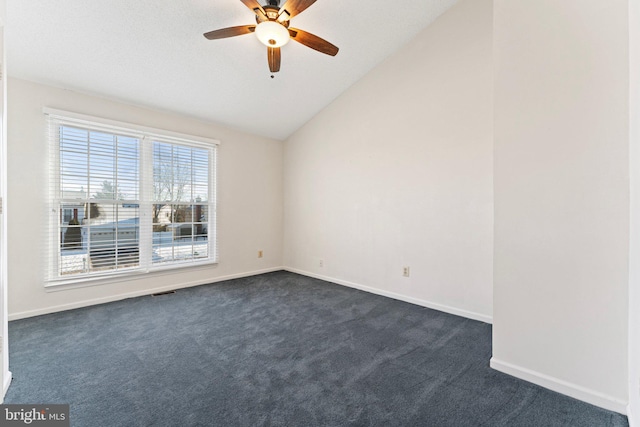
x: 125, y: 276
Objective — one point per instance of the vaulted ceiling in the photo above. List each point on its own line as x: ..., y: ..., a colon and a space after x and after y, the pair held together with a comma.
x: 153, y: 54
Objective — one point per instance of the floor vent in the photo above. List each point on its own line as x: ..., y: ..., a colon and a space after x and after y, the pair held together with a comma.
x: 163, y: 293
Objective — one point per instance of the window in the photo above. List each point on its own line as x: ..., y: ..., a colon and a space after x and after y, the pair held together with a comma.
x: 127, y: 199
x: 181, y: 192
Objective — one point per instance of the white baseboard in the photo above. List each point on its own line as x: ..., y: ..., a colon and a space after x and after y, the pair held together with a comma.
x: 573, y: 390
x: 631, y: 417
x: 118, y: 297
x: 440, y: 307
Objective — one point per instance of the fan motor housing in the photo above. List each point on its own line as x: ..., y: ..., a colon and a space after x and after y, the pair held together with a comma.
x: 272, y: 13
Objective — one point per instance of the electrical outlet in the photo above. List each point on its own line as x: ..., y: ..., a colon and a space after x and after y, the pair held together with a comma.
x: 259, y: 254
x: 406, y: 271
x: 321, y: 263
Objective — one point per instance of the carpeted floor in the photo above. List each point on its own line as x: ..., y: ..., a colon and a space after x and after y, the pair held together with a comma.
x: 276, y: 349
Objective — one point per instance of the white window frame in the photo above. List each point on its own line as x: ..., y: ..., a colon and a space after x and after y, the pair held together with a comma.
x: 146, y: 135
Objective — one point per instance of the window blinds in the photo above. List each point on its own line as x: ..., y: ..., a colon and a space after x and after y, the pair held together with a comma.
x: 127, y: 199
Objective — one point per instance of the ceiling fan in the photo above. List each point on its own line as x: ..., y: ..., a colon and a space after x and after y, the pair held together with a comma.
x: 272, y: 29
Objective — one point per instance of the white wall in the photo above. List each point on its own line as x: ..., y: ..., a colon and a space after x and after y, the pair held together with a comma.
x: 561, y: 179
x: 634, y: 256
x: 398, y: 172
x: 249, y: 199
x: 5, y: 375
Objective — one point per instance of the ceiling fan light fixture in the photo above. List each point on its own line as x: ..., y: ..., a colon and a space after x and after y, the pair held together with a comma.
x: 272, y: 34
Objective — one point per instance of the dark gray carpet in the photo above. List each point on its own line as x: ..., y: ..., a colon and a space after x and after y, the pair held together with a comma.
x: 276, y: 349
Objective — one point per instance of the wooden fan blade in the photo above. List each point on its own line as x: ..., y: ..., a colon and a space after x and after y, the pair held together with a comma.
x: 312, y: 41
x: 253, y: 5
x: 230, y: 32
x: 273, y: 54
x: 294, y: 7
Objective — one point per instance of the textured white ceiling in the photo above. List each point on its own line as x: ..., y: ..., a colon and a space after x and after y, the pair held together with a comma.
x: 152, y: 53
